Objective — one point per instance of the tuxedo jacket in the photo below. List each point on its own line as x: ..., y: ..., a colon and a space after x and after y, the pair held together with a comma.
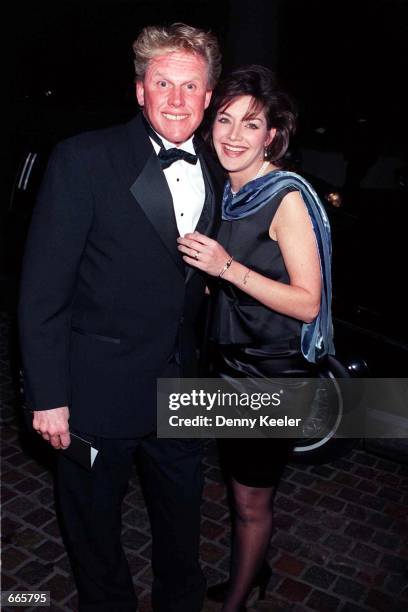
x: 106, y: 300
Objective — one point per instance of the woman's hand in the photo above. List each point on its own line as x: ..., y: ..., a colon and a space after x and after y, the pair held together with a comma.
x: 203, y: 253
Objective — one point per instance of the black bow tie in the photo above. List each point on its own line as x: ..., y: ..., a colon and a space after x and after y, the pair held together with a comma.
x: 167, y: 157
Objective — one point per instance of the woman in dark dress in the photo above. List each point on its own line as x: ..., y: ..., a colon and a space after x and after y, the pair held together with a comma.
x: 272, y: 307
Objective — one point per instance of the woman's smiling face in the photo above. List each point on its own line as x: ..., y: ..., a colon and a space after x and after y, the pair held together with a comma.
x: 240, y: 135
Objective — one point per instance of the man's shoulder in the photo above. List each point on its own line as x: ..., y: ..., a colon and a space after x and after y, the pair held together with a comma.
x: 96, y: 140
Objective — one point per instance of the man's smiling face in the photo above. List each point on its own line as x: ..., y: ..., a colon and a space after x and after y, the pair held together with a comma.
x: 174, y: 94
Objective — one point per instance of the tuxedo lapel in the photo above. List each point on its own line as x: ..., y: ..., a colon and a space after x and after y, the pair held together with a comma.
x: 152, y: 193
x: 147, y: 185
x: 214, y: 186
x: 207, y: 215
x: 210, y: 217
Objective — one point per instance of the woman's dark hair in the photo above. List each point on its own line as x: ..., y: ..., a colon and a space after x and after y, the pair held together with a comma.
x: 260, y: 83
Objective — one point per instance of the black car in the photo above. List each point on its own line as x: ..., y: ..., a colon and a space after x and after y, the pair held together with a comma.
x: 365, y: 192
x: 366, y: 197
x: 37, y: 122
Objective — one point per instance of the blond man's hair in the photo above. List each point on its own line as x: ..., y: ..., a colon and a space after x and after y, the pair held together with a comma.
x: 159, y: 40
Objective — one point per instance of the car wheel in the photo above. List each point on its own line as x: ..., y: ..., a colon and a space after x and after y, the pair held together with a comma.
x: 329, y: 407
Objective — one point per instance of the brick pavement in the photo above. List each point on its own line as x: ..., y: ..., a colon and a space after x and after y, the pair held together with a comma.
x: 340, y: 542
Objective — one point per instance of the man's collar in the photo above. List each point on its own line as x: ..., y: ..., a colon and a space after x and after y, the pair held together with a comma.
x: 156, y: 138
x: 186, y: 146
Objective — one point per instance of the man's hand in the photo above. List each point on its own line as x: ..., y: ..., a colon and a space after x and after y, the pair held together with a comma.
x: 53, y: 426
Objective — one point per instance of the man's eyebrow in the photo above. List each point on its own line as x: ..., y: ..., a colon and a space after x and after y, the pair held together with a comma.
x: 160, y: 75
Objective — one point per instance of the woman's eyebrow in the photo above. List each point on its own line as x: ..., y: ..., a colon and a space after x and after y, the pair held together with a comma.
x: 245, y: 118
x: 253, y: 118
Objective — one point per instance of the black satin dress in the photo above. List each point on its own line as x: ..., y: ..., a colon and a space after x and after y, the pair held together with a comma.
x: 252, y: 340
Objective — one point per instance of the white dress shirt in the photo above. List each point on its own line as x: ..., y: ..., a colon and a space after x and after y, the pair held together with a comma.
x: 187, y: 187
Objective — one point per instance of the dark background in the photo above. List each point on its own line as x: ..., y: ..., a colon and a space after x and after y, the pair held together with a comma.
x: 338, y: 58
x: 343, y: 61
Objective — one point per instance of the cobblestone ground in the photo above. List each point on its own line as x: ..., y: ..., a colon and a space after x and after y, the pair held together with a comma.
x: 340, y: 542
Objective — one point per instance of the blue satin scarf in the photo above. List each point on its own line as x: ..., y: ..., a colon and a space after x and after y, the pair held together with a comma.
x: 317, y: 336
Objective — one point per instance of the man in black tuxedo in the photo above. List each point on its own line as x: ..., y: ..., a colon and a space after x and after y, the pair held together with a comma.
x: 108, y: 306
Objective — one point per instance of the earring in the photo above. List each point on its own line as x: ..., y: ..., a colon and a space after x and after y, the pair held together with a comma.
x: 265, y: 153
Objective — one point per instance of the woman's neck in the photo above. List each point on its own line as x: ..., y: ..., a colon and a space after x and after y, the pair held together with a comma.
x: 239, y: 179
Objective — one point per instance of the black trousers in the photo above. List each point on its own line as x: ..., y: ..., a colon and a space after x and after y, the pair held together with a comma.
x: 90, y: 508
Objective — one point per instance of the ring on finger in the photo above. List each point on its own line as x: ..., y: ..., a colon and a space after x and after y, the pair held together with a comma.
x: 196, y: 255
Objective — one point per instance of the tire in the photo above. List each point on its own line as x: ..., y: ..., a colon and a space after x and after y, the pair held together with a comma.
x: 329, y: 407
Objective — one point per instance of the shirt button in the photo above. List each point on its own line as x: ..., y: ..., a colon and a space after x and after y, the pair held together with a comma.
x: 182, y: 214
x: 177, y: 180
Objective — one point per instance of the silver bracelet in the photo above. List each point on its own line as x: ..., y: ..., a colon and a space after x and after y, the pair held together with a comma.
x: 226, y: 266
x: 246, y: 276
